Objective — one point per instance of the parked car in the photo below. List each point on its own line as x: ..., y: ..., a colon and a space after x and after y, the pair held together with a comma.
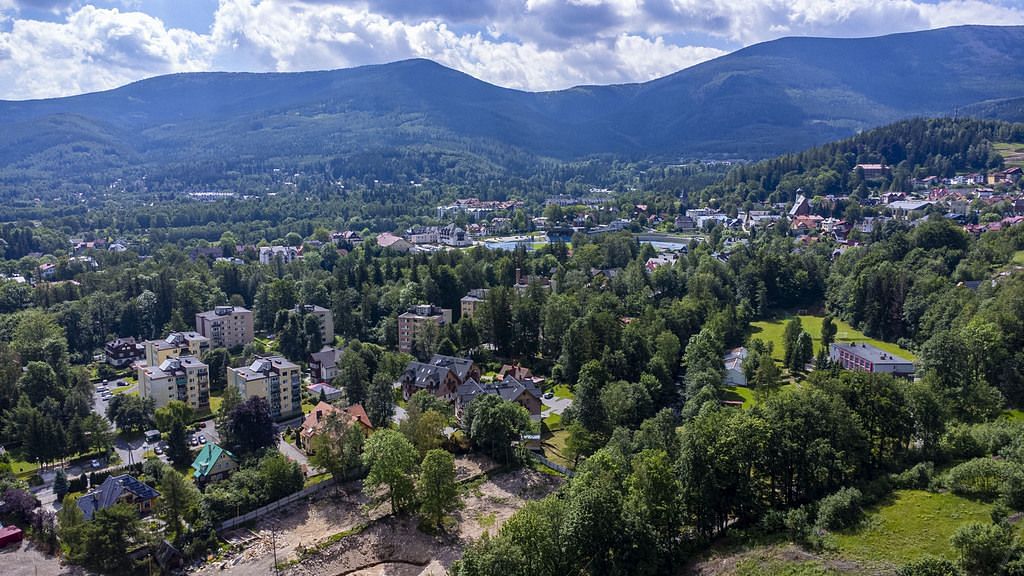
x: 549, y: 395
x: 102, y: 389
x: 158, y: 450
x: 202, y: 439
x: 193, y: 441
x: 95, y: 464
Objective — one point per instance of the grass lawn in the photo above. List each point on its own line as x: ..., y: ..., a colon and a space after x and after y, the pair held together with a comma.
x: 215, y: 403
x: 1013, y: 415
x: 554, y: 447
x: 563, y: 391
x: 1018, y: 257
x: 771, y: 331
x: 779, y: 567
x: 741, y: 394
x: 553, y: 422
x: 23, y: 468
x: 1013, y: 154
x: 913, y: 523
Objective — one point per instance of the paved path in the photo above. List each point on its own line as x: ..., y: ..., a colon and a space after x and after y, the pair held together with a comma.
x: 555, y: 405
x: 294, y: 454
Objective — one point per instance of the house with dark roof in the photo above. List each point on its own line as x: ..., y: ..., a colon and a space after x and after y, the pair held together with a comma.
x: 123, y: 489
x: 123, y: 352
x: 523, y: 392
x: 324, y: 365
x: 441, y: 376
x: 213, y: 464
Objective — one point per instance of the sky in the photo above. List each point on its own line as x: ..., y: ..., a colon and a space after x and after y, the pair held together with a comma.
x: 51, y: 48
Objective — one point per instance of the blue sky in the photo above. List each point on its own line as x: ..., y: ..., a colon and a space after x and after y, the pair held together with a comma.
x: 60, y: 47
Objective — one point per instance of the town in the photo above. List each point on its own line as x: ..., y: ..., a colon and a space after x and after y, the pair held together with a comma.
x: 777, y: 354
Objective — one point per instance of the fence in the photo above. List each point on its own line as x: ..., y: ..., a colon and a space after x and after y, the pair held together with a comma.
x: 554, y: 466
x: 274, y: 506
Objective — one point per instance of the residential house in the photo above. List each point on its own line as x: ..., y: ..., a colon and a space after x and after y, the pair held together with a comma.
x: 413, y: 320
x: 733, y: 361
x: 396, y: 243
x: 441, y: 376
x: 423, y: 235
x: 805, y: 224
x: 868, y: 358
x: 328, y: 392
x: 285, y: 253
x: 226, y: 326
x: 213, y: 464
x: 324, y: 316
x: 123, y: 352
x: 122, y: 489
x: 182, y: 378
x: 472, y: 301
x: 347, y: 238
x: 273, y: 378
x: 324, y: 365
x: 519, y: 373
x: 313, y: 425
x: 1009, y: 176
x: 666, y: 259
x: 801, y: 207
x: 523, y: 392
x: 452, y: 235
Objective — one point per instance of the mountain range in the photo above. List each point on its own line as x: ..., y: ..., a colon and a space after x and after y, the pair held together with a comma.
x: 766, y: 99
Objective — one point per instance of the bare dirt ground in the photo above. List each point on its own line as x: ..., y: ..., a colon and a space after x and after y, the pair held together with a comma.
x: 26, y: 560
x: 397, y: 547
x: 387, y: 546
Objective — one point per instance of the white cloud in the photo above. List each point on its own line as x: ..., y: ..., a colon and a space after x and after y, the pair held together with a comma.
x: 528, y: 44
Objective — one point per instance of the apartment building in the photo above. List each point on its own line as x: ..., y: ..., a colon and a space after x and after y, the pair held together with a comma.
x: 324, y: 316
x: 176, y: 344
x: 411, y: 321
x: 472, y: 301
x: 226, y: 326
x: 273, y: 378
x: 867, y: 358
x: 183, y: 378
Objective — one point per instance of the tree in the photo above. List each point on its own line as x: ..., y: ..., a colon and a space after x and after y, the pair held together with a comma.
x: 424, y: 429
x: 70, y: 525
x: 587, y: 404
x: 108, y: 537
x: 174, y: 411
x: 338, y: 448
x: 179, y: 501
x: 177, y: 445
x: 982, y: 548
x: 39, y: 381
x: 435, y: 487
x: 130, y: 413
x: 391, y: 459
x: 828, y: 332
x: 279, y: 476
x: 218, y: 360
x: 60, y: 484
x: 353, y: 376
x: 652, y: 511
x: 790, y: 336
x: 250, y: 426
x: 380, y: 402
x: 494, y: 424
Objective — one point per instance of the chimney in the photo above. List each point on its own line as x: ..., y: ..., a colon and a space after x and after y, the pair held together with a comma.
x: 519, y: 273
x: 319, y: 415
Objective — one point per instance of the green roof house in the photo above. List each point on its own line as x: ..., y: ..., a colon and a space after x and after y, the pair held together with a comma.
x: 213, y: 463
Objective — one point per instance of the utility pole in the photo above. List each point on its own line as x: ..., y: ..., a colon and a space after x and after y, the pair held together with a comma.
x: 273, y: 545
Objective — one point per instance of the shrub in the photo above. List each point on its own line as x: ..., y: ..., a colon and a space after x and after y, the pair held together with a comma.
x: 78, y: 484
x: 840, y: 510
x: 928, y: 566
x: 979, y: 478
x: 983, y: 548
x: 919, y: 476
x: 991, y: 437
x: 1012, y: 489
x: 958, y: 443
x: 798, y: 524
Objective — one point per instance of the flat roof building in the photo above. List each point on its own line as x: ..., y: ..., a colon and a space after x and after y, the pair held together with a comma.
x: 273, y: 378
x: 411, y: 322
x: 867, y: 358
x: 182, y: 378
x: 226, y: 326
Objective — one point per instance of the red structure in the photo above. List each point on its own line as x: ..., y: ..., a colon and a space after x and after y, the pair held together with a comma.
x: 10, y: 535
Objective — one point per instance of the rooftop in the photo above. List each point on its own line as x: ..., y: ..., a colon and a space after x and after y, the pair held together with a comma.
x: 871, y: 353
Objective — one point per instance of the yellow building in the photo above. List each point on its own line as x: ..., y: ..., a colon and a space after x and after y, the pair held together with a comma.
x: 273, y: 378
